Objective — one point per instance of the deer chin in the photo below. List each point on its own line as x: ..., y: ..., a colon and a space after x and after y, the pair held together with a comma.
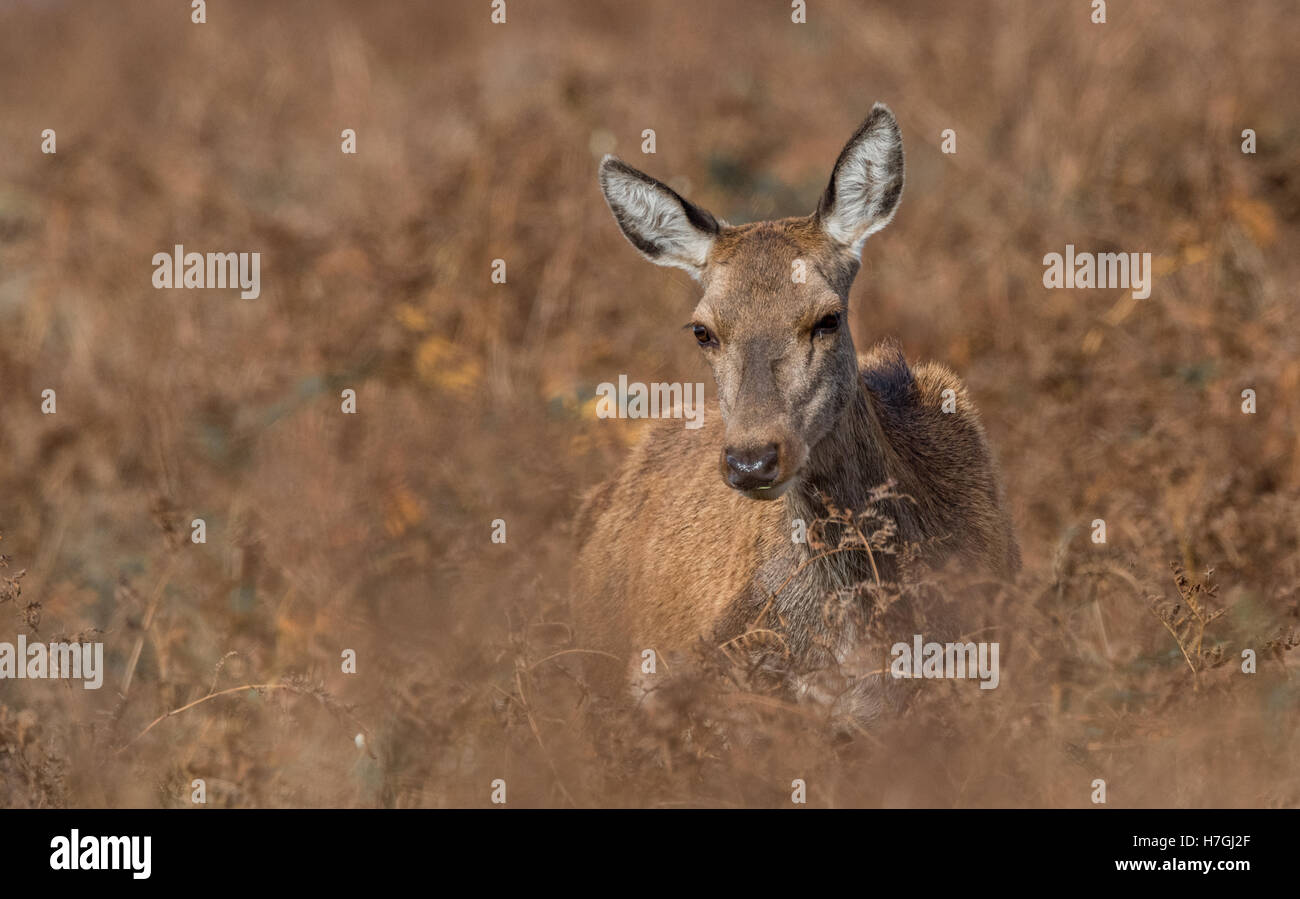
x: 776, y: 491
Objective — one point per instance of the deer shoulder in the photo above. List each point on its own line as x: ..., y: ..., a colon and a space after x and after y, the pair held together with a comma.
x: 941, y: 457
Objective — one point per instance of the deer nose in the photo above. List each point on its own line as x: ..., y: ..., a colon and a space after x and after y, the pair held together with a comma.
x: 753, y: 467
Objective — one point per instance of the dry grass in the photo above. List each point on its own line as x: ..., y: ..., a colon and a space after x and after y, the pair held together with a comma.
x: 371, y: 532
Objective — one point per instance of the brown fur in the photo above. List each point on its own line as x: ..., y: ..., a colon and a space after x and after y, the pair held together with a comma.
x: 670, y: 553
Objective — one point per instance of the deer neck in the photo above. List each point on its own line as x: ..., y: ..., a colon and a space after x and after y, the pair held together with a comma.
x: 850, y: 460
x: 841, y: 471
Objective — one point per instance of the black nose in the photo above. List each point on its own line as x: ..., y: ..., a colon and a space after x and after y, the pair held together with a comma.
x: 748, y: 469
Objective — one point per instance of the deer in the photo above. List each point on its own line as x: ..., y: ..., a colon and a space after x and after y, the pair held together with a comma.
x: 692, y: 538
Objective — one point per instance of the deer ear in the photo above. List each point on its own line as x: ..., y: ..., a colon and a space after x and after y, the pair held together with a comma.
x: 866, y: 184
x: 667, y: 229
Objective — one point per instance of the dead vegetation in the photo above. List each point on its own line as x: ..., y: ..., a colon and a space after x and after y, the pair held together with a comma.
x: 371, y: 532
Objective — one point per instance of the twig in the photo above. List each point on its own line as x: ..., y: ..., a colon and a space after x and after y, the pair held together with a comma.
x: 1168, y: 627
x: 202, y: 699
x: 537, y: 735
x: 154, y: 602
x: 564, y: 652
x: 292, y: 688
x: 830, y: 552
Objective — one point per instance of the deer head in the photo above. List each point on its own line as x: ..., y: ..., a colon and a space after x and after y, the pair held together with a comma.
x: 772, y: 318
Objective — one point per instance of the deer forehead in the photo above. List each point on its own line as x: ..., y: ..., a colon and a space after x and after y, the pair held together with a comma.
x: 771, y: 275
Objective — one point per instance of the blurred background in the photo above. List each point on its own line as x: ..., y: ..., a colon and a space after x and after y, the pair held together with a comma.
x: 475, y: 141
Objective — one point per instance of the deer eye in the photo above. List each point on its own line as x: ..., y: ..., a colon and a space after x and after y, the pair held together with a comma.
x: 827, y: 324
x: 703, y: 335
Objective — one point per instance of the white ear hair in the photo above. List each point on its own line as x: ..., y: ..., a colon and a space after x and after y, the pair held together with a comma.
x: 664, y: 227
x: 867, y: 182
